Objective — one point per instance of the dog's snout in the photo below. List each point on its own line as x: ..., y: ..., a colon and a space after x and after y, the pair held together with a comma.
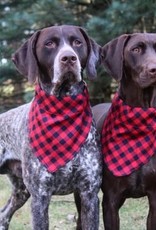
x: 68, y: 57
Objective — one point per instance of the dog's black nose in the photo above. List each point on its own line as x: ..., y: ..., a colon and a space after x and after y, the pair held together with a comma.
x: 68, y: 57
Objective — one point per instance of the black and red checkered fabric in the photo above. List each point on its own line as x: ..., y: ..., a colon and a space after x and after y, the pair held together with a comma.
x: 128, y: 137
x: 58, y: 127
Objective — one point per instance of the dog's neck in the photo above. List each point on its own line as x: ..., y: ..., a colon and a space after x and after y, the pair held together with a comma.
x: 135, y: 96
x: 63, y: 89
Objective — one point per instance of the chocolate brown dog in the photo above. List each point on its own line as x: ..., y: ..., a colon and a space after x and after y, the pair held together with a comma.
x: 129, y: 148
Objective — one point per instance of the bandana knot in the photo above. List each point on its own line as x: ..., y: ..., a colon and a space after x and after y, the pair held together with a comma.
x: 128, y: 137
x: 58, y: 127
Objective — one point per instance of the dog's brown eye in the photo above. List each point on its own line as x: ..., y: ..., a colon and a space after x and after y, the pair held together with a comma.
x: 137, y: 50
x: 77, y: 43
x: 51, y: 44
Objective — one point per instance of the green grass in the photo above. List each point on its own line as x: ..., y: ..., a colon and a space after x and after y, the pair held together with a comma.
x: 62, y: 212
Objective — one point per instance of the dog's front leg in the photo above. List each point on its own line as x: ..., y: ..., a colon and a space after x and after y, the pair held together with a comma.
x: 39, y: 184
x: 151, y: 220
x: 77, y: 199
x: 40, y: 190
x: 110, y: 214
x: 111, y: 205
x: 39, y: 208
x: 89, y: 211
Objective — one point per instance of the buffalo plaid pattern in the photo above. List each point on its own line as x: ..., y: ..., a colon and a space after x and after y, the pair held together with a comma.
x: 128, y: 137
x: 58, y: 127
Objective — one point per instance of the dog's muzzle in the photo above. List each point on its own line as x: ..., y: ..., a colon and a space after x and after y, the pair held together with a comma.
x: 66, y: 66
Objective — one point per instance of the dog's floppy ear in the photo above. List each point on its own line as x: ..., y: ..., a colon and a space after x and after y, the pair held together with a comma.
x: 94, y: 56
x: 25, y: 60
x: 112, y: 56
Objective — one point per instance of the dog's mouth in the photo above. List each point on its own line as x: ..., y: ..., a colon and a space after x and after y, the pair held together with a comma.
x: 64, y: 85
x: 145, y: 82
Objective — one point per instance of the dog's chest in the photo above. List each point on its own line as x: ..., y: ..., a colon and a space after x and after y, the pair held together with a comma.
x: 84, y: 169
x: 58, y: 127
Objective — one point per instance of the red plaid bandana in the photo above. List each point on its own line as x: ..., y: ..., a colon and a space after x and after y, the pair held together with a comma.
x: 58, y: 127
x: 128, y: 137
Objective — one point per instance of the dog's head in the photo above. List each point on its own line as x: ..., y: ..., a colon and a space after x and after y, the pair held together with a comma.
x: 132, y: 57
x: 57, y: 55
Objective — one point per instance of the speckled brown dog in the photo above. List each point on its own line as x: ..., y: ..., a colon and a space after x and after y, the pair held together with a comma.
x: 54, y: 58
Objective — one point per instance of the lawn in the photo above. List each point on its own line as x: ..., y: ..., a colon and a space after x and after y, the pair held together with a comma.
x: 63, y: 214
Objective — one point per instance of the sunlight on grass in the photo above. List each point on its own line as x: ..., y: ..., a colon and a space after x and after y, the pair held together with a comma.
x: 133, y: 214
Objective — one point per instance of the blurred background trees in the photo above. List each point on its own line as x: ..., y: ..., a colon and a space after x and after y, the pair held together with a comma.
x: 103, y: 20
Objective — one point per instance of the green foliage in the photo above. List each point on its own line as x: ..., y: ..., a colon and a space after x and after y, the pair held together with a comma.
x: 123, y: 17
x: 49, y: 13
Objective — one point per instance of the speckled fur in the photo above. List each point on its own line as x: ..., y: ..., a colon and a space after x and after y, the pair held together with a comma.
x: 82, y: 175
